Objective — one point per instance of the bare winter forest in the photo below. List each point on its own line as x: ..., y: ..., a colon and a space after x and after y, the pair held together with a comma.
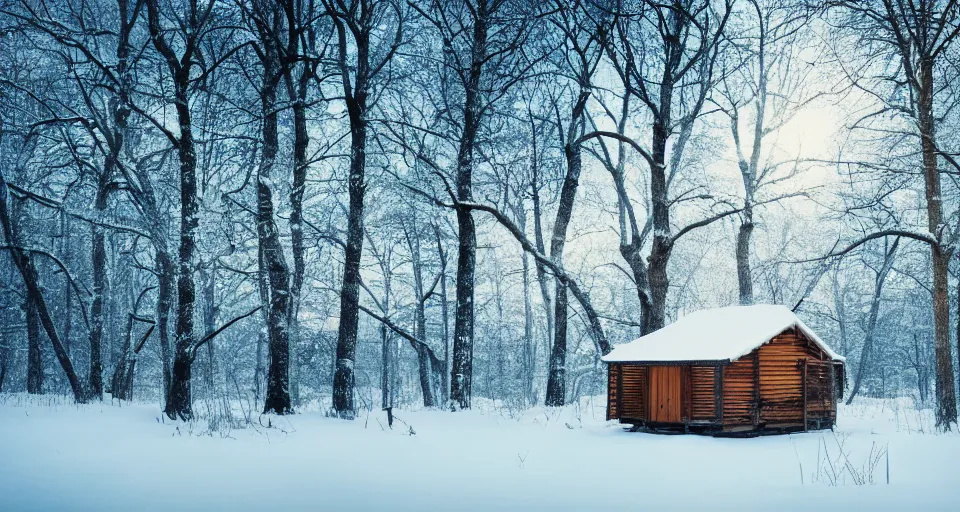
x: 238, y: 209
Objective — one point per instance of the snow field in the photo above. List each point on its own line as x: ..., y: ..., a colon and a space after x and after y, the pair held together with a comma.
x: 58, y: 455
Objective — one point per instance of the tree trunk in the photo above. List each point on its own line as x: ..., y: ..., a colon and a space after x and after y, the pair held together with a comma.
x: 277, y: 398
x: 263, y: 289
x: 424, y: 364
x: 178, y: 400
x: 99, y: 270
x: 529, y: 350
x: 4, y: 356
x: 28, y: 272
x: 210, y: 311
x: 461, y: 374
x: 355, y: 97
x: 118, y: 380
x: 662, y: 240
x: 556, y: 380
x: 744, y: 274
x: 178, y: 403
x: 868, y: 340
x: 67, y: 289
x: 445, y: 319
x: 300, y: 145
x: 946, y: 414
x: 34, y: 354
x: 343, y: 380
x: 165, y: 278
x: 386, y: 372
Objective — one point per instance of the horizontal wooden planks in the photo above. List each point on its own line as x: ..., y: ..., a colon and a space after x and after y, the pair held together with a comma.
x: 821, y: 392
x: 633, y: 386
x: 781, y: 376
x: 738, y: 391
x: 702, y: 398
x: 781, y: 380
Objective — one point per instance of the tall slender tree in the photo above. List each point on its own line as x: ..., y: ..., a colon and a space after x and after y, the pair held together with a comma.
x: 357, y: 24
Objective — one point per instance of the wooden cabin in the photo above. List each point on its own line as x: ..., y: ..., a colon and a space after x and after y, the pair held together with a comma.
x: 740, y: 370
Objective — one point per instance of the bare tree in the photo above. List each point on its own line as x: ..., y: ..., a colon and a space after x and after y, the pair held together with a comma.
x: 358, y: 20
x: 760, y: 93
x: 484, y: 68
x: 671, y: 80
x: 918, y: 38
x: 881, y: 274
x: 582, y: 31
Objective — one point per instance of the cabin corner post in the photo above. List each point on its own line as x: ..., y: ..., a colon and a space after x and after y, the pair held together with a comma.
x: 804, y: 393
x: 619, y: 391
x: 832, y: 412
x: 609, y: 392
x: 756, y: 389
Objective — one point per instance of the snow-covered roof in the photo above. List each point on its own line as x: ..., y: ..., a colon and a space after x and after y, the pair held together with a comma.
x: 722, y: 334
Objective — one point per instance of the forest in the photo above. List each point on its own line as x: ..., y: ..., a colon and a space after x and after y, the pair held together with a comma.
x: 237, y: 208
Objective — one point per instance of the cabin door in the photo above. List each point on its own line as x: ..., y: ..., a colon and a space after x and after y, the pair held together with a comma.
x: 665, y: 394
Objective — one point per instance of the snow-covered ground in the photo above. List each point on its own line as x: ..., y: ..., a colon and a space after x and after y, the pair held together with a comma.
x: 56, y: 455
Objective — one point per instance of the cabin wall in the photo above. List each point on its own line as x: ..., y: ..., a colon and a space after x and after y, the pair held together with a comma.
x: 613, y: 389
x: 781, y: 376
x: 703, y: 384
x: 820, y: 390
x: 739, y: 391
x: 633, y: 387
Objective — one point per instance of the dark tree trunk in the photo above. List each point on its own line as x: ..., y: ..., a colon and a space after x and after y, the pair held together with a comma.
x: 744, y: 274
x: 165, y: 277
x: 178, y: 400
x: 99, y: 270
x: 28, y: 272
x: 445, y: 319
x: 34, y: 354
x: 259, y: 370
x: 355, y: 97
x: 556, y: 381
x: 662, y: 240
x: 946, y: 414
x: 425, y: 366
x: 387, y: 389
x: 210, y: 312
x: 178, y: 403
x: 300, y: 145
x: 461, y: 373
x: 278, y: 276
x: 67, y: 290
x: 4, y: 356
x: 343, y: 380
x: 119, y: 370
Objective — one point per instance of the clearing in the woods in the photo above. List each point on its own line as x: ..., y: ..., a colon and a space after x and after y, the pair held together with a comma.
x: 57, y: 455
